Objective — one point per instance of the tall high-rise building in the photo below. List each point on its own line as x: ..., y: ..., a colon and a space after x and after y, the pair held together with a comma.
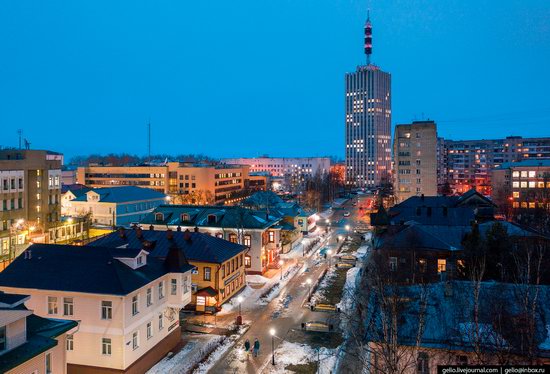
x: 368, y: 122
x: 415, y: 159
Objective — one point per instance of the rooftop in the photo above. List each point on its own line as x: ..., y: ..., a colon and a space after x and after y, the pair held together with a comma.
x: 88, y: 269
x: 122, y: 194
x: 196, y: 246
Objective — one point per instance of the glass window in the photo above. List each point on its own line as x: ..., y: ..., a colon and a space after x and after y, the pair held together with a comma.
x: 173, y: 286
x: 515, y: 194
x: 207, y: 271
x: 161, y: 290
x: 524, y: 174
x: 68, y: 306
x: 441, y: 265
x: 135, y: 340
x: 393, y: 263
x: 48, y: 363
x: 69, y: 343
x: 247, y: 240
x: 515, y: 184
x: 149, y: 296
x: 247, y: 261
x: 149, y: 330
x: 271, y: 236
x: 422, y: 265
x: 515, y: 174
x: 532, y: 184
x: 52, y: 305
x: 532, y: 174
x: 135, y: 309
x: 422, y: 364
x: 161, y: 322
x: 106, y: 310
x: 106, y: 346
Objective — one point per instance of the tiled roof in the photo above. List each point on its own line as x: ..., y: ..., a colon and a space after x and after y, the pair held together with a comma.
x: 124, y: 194
x: 200, y: 247
x: 525, y: 163
x: 76, y: 189
x: 86, y: 269
x: 225, y: 217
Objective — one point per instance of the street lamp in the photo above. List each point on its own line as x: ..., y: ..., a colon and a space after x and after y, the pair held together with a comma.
x: 240, y: 317
x: 272, y: 333
x: 281, y: 265
x: 329, y: 252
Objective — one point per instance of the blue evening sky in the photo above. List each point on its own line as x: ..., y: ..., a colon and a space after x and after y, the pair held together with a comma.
x: 251, y: 77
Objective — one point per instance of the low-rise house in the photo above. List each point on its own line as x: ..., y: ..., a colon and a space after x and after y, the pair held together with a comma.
x: 28, y: 343
x: 413, y: 329
x: 219, y: 272
x: 257, y: 230
x: 127, y: 302
x: 113, y: 206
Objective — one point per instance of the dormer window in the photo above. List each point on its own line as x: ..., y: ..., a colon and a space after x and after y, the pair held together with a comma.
x: 159, y: 217
x: 211, y: 218
x: 140, y: 260
x: 184, y: 217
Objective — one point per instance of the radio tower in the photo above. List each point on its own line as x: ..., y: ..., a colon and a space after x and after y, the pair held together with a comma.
x: 368, y: 38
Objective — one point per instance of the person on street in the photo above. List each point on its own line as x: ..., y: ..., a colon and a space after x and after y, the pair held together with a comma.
x: 247, y: 347
x: 256, y: 347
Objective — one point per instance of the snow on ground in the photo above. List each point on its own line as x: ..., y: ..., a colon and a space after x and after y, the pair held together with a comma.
x: 319, y: 293
x: 256, y: 279
x: 190, y: 355
x: 288, y: 353
x: 220, y: 351
x: 290, y: 273
x: 362, y: 251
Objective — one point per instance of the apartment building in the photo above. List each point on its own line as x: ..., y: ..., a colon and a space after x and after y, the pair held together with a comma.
x: 184, y: 182
x: 415, y: 160
x: 469, y: 162
x: 255, y: 229
x: 526, y: 183
x: 290, y: 172
x: 219, y: 272
x: 30, y: 193
x: 114, y: 206
x: 127, y: 303
x: 29, y: 343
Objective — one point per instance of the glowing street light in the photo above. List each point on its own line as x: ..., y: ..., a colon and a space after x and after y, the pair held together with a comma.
x: 272, y: 333
x: 329, y: 253
x: 308, y: 281
x: 347, y: 227
x: 240, y: 318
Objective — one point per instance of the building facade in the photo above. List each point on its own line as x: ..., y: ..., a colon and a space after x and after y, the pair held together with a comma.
x: 255, y: 229
x: 128, y: 313
x: 184, y: 182
x: 526, y: 184
x: 469, y: 163
x: 368, y: 126
x: 289, y: 172
x: 219, y: 271
x: 415, y: 160
x: 31, y: 344
x: 30, y: 193
x: 115, y: 206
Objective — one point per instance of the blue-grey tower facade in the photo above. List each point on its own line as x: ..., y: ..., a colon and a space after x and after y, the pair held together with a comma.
x: 368, y: 122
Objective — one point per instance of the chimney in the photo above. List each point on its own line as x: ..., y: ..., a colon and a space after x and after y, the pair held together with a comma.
x: 121, y: 233
x: 169, y: 234
x: 139, y: 233
x: 187, y: 235
x: 196, y: 229
x: 178, y: 229
x: 151, y: 228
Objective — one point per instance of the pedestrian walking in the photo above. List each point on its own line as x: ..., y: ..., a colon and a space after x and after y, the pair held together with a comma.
x: 247, y: 347
x: 256, y: 347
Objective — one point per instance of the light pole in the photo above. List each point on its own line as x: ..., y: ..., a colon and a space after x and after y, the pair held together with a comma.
x: 240, y: 317
x: 347, y: 231
x: 308, y: 281
x: 272, y: 333
x: 329, y: 253
x: 281, y: 265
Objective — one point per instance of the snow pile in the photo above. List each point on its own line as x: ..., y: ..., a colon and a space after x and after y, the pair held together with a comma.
x: 325, y: 282
x: 362, y: 251
x: 187, y: 358
x: 256, y: 279
x: 288, y: 353
x: 346, y: 305
x: 276, y: 288
x: 232, y: 305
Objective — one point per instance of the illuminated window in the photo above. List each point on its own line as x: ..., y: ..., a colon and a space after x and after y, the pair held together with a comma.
x: 515, y: 184
x: 532, y: 174
x: 441, y: 265
x: 515, y: 204
x: 523, y: 184
x: 532, y: 205
x: 524, y: 174
x: 515, y: 194
x: 532, y: 184
x: 540, y: 184
x: 515, y: 174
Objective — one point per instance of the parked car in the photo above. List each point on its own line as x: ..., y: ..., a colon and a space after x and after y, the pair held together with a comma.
x: 347, y: 214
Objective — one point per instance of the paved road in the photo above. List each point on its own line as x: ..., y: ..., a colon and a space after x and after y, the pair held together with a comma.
x: 284, y: 313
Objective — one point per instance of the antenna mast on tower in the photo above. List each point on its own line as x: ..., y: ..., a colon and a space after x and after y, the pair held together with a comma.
x: 149, y: 140
x: 368, y: 38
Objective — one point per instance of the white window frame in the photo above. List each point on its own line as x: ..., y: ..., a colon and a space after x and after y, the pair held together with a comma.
x: 135, y: 340
x: 135, y: 305
x: 68, y: 307
x: 106, y: 310
x: 106, y: 346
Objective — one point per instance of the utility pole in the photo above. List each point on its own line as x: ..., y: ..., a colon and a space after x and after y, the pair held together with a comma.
x: 20, y: 134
